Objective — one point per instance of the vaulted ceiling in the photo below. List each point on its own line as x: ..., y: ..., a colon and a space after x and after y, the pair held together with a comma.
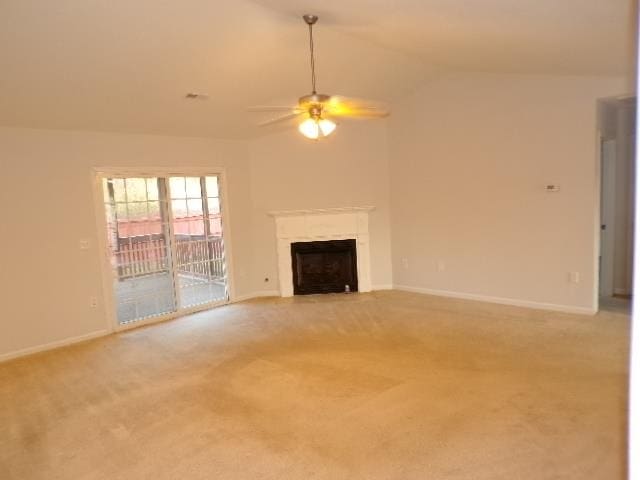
x: 126, y: 65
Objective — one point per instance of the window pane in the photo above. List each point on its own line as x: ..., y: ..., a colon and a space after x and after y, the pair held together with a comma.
x: 138, y: 210
x: 181, y: 228
x: 109, y: 213
x: 124, y: 230
x: 196, y: 226
x: 177, y: 186
x: 193, y: 187
x: 195, y: 207
x: 154, y: 210
x: 214, y: 205
x: 118, y: 189
x: 136, y: 189
x: 154, y: 227
x: 152, y: 188
x: 216, y: 226
x: 212, y: 186
x: 179, y: 208
x: 121, y: 211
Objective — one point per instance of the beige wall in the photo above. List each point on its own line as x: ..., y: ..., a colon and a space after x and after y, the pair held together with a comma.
x: 48, y: 206
x: 470, y: 156
x: 350, y: 168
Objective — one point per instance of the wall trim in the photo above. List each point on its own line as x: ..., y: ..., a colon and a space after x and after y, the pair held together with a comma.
x: 258, y: 294
x: 499, y: 300
x: 385, y: 286
x: 53, y: 345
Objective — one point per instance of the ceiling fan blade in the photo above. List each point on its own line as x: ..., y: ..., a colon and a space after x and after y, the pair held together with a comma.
x: 272, y: 108
x: 361, y: 113
x: 355, y: 107
x: 279, y: 119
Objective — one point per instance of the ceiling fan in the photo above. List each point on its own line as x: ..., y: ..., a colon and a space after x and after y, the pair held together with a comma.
x: 317, y: 110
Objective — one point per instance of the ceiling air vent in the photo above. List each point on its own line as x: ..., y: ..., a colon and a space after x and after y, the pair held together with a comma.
x: 196, y: 96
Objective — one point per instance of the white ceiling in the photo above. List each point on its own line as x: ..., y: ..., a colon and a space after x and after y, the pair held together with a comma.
x: 116, y: 65
x: 532, y: 36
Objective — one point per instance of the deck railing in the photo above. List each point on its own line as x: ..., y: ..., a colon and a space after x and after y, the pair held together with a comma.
x: 200, y: 257
x: 145, y: 255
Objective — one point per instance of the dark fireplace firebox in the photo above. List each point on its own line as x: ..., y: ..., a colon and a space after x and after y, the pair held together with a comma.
x: 324, y: 267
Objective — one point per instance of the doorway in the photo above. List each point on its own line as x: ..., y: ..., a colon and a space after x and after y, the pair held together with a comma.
x: 617, y: 127
x: 165, y: 245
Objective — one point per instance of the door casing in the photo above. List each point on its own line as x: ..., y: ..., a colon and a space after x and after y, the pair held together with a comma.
x: 97, y: 174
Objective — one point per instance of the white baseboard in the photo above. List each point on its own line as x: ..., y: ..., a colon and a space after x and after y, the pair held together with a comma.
x: 50, y: 346
x: 276, y: 293
x: 262, y: 293
x: 499, y: 300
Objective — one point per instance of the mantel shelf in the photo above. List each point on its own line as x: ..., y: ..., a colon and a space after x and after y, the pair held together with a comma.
x: 319, y: 211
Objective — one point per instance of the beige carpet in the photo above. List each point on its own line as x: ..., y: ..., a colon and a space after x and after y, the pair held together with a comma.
x: 387, y: 385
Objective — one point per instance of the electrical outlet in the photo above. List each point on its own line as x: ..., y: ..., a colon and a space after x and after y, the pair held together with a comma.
x: 405, y: 263
x: 441, y: 266
x: 84, y: 244
x: 574, y: 277
x: 93, y: 301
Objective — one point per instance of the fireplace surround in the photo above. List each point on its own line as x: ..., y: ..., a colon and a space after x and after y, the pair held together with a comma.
x: 344, y: 223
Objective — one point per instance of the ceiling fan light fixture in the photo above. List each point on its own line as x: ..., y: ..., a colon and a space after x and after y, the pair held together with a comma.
x: 310, y: 128
x: 315, y: 128
x: 326, y: 126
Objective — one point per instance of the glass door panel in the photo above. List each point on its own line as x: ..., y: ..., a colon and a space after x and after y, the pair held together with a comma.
x: 139, y: 247
x: 199, y: 248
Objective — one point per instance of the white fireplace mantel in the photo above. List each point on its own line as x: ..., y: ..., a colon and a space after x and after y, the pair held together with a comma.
x: 340, y: 223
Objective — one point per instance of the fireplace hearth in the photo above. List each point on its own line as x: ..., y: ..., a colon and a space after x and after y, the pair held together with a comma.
x: 324, y: 267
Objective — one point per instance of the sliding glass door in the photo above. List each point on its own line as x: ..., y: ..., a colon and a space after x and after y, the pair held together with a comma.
x: 166, y: 244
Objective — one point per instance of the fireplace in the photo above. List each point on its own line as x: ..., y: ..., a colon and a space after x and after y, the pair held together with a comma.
x: 324, y: 266
x: 324, y: 225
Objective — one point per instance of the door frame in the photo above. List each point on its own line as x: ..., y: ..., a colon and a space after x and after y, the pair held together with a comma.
x: 97, y: 173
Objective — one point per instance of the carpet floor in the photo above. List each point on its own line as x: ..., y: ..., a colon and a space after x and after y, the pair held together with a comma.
x: 387, y: 385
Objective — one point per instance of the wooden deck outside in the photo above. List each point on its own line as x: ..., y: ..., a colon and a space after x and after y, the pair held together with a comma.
x: 152, y: 295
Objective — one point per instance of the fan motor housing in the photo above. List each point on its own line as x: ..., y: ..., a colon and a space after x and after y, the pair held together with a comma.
x: 314, y: 98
